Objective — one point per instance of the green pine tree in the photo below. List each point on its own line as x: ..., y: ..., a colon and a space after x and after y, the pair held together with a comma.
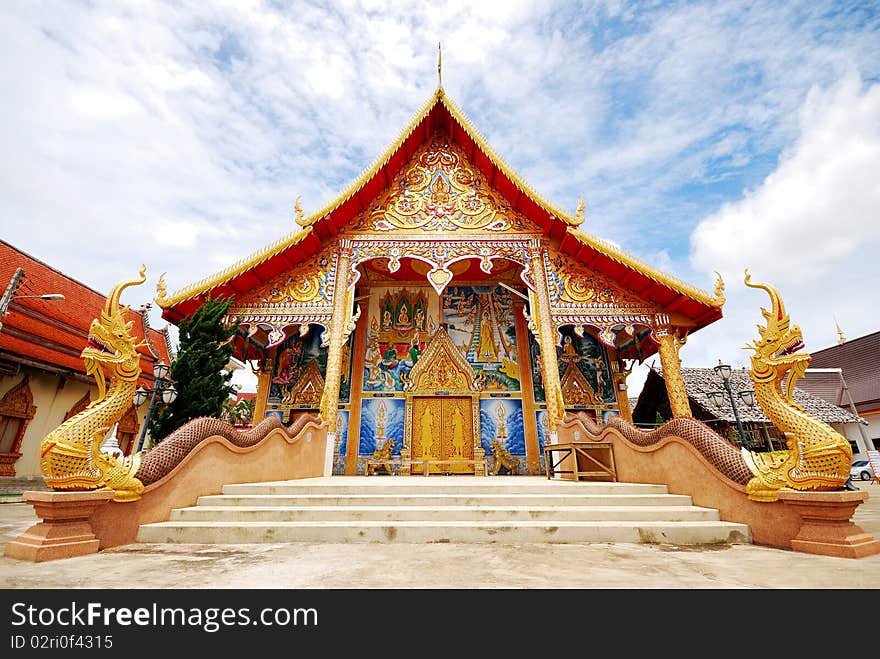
x: 198, y: 371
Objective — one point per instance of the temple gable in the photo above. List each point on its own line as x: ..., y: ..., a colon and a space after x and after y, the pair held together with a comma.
x: 441, y: 190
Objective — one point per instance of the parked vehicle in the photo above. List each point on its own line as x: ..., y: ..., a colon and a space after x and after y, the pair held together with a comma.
x: 861, y: 470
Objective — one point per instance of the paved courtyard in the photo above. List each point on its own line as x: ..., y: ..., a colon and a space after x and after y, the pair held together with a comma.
x: 442, y: 565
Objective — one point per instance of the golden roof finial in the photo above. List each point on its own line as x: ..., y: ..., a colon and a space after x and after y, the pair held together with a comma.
x: 161, y: 290
x: 579, y: 212
x: 719, y: 289
x: 439, y: 66
x: 841, y: 338
x: 298, y: 210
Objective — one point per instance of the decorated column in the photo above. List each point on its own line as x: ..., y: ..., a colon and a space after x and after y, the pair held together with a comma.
x: 543, y: 328
x: 620, y: 390
x: 264, y: 379
x: 670, y: 344
x: 338, y: 333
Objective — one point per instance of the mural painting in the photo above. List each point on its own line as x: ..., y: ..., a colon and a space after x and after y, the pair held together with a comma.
x: 502, y: 419
x: 400, y: 326
x: 584, y: 370
x: 542, y: 421
x: 537, y: 372
x: 607, y: 414
x: 543, y: 424
x: 300, y: 368
x: 479, y: 322
x: 339, y: 454
x: 381, y: 419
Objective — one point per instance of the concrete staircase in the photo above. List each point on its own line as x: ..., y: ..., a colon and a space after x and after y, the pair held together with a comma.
x: 498, y: 509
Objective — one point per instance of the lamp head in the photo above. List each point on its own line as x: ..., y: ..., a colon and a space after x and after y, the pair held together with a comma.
x: 715, y: 397
x: 723, y: 370
x: 140, y: 396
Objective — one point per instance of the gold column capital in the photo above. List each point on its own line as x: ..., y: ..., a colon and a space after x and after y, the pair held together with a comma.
x: 536, y: 247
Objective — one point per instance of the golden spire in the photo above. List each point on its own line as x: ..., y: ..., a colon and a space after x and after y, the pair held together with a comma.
x: 841, y: 338
x: 439, y: 66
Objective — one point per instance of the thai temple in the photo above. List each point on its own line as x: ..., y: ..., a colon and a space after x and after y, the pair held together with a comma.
x: 442, y: 303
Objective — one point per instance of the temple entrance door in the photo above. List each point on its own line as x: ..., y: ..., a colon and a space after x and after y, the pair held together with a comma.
x: 443, y: 429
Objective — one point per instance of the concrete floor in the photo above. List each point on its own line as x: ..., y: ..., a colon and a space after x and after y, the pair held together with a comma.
x: 483, y: 566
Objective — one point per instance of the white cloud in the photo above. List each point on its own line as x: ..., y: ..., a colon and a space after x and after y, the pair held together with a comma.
x: 809, y: 229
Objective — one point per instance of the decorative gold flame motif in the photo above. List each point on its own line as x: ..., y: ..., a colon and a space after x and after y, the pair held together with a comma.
x: 579, y: 212
x: 440, y: 190
x: 70, y: 455
x: 311, y: 284
x: 818, y: 457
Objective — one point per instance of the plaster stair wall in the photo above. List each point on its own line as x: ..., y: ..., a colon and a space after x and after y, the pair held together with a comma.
x: 513, y: 509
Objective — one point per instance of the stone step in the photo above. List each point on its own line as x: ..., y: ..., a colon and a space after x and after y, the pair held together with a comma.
x: 398, y: 486
x: 476, y: 513
x: 445, y: 509
x: 239, y: 532
x: 450, y: 499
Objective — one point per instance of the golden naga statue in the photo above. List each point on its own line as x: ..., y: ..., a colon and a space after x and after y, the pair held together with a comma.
x: 818, y: 457
x: 70, y: 455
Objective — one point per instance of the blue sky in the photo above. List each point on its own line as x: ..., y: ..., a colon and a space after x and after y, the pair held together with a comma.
x: 703, y: 136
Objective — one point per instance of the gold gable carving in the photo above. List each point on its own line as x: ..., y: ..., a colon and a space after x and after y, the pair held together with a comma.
x: 442, y: 367
x: 308, y: 284
x: 129, y: 422
x: 19, y: 401
x: 576, y: 389
x: 308, y: 389
x: 572, y: 285
x: 439, y: 189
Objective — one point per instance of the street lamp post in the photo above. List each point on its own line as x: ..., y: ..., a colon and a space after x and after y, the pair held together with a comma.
x: 724, y: 372
x: 9, y: 294
x: 162, y: 386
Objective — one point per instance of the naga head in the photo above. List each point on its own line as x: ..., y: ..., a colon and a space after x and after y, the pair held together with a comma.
x: 110, y: 340
x: 777, y: 351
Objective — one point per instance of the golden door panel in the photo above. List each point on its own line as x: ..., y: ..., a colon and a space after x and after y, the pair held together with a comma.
x: 442, y: 429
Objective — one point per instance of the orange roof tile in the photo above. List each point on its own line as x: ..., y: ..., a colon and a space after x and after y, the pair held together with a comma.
x: 54, y: 332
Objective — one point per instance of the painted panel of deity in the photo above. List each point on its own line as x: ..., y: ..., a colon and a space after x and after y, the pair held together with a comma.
x: 537, y: 374
x: 345, y: 370
x: 502, y: 419
x: 342, y: 430
x: 542, y: 421
x: 479, y: 321
x: 381, y: 419
x: 607, y: 414
x: 590, y: 358
x: 400, y: 324
x: 300, y: 368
